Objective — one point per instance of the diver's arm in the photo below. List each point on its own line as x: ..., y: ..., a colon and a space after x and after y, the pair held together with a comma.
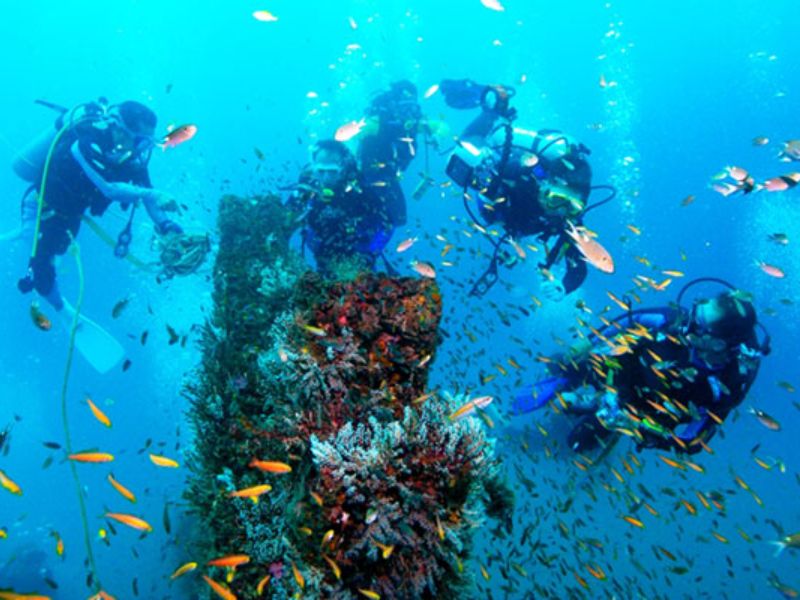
x: 128, y: 193
x: 481, y: 126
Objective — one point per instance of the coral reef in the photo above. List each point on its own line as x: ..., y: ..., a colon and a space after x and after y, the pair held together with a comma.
x: 330, y: 379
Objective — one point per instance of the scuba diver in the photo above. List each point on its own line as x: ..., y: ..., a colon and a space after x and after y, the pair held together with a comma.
x: 530, y: 182
x: 96, y: 154
x: 388, y: 144
x: 344, y: 221
x: 665, y: 376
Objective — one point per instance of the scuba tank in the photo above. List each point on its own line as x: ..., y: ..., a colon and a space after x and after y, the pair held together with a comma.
x: 29, y: 162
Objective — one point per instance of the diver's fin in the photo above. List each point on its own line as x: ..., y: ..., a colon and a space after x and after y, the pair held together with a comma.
x: 535, y: 396
x: 13, y: 234
x: 94, y: 343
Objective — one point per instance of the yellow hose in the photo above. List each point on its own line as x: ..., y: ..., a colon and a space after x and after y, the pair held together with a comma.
x: 75, y: 251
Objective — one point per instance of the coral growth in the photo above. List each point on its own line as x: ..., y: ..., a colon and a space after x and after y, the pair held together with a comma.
x: 411, y: 485
x: 329, y: 378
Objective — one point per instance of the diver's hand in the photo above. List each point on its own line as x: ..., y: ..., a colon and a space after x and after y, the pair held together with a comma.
x: 169, y: 226
x: 461, y: 93
x: 553, y: 290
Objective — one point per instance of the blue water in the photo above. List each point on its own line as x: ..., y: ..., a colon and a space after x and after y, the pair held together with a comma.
x: 696, y: 82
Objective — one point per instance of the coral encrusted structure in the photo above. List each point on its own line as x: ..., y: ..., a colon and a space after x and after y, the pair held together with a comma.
x: 318, y: 389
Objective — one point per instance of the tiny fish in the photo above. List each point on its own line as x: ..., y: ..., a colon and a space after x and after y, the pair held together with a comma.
x: 431, y: 91
x: 91, y: 457
x: 264, y: 16
x: 766, y: 420
x: 405, y: 244
x: 125, y: 492
x: 251, y: 492
x: 163, y: 461
x: 98, y: 414
x: 219, y: 589
x: 270, y: 466
x: 298, y: 576
x: 39, y: 318
x: 349, y: 130
x: 771, y: 270
x: 230, y: 561
x: 424, y: 269
x: 130, y: 521
x: 178, y: 136
x: 119, y: 307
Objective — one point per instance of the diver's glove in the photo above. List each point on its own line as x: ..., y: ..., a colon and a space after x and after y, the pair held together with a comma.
x: 462, y: 94
x: 168, y: 226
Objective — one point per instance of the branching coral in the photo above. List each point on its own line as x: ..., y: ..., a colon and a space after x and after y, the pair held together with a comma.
x: 409, y: 485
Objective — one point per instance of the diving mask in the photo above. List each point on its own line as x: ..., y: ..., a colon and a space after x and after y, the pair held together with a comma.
x: 127, y: 145
x: 328, y: 175
x: 558, y: 200
x: 712, y: 350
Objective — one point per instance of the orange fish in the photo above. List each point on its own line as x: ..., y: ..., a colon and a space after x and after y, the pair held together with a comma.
x: 252, y: 492
x: 781, y: 183
x: 424, y: 269
x: 98, y: 414
x: 334, y: 567
x: 591, y: 250
x: 634, y: 521
x: 183, y: 569
x: 469, y: 407
x: 771, y: 270
x: 130, y: 521
x: 270, y: 466
x: 7, y: 483
x: 298, y: 576
x: 349, y: 130
x: 219, y: 589
x: 39, y: 318
x: 262, y: 584
x: 126, y: 493
x: 406, y: 244
x: 163, y: 461
x: 91, y: 457
x: 231, y: 561
x: 178, y: 135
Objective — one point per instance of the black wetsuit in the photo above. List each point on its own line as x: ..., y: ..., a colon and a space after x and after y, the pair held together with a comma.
x: 385, y: 155
x: 353, y: 223
x: 68, y: 195
x: 660, y: 370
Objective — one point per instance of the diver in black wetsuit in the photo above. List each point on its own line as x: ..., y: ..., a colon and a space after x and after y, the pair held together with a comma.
x: 531, y: 182
x: 344, y: 220
x: 98, y: 155
x: 388, y: 144
x: 665, y: 376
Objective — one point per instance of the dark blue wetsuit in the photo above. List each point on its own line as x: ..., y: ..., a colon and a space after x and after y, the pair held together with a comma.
x: 69, y: 193
x: 351, y: 224
x: 691, y: 381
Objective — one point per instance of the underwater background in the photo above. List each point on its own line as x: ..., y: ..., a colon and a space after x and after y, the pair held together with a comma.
x: 694, y: 84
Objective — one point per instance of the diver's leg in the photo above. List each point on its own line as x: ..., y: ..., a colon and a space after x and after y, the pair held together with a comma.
x: 396, y: 204
x: 55, y: 237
